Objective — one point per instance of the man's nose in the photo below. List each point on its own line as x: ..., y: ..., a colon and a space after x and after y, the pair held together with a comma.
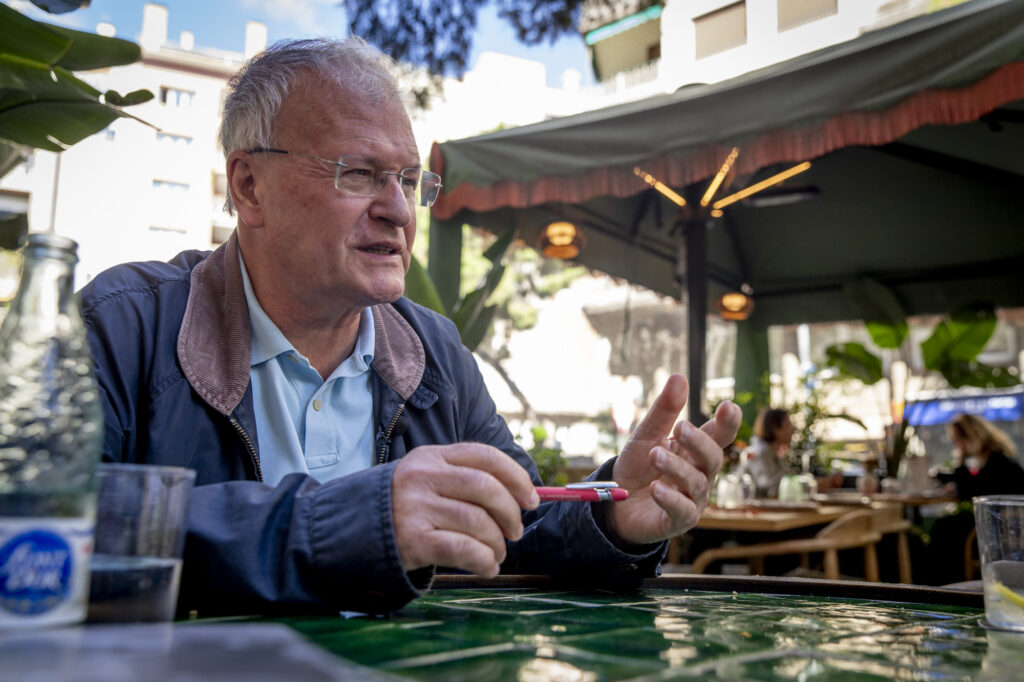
x: 391, y: 202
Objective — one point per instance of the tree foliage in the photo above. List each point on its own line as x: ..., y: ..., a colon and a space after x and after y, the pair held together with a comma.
x: 438, y: 34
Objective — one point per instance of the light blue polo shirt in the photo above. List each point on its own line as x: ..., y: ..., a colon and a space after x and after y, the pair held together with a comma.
x: 304, y: 423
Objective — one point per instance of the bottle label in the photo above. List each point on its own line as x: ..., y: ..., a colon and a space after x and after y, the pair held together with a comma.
x: 44, y: 570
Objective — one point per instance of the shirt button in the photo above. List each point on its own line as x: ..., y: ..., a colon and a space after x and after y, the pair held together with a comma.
x: 316, y: 404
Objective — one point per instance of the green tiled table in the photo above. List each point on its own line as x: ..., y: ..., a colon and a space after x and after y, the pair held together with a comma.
x: 677, y: 628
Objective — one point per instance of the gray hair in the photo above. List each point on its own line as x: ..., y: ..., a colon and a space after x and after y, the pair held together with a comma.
x: 257, y: 91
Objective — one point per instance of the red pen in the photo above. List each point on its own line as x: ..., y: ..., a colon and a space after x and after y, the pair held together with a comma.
x: 588, y: 491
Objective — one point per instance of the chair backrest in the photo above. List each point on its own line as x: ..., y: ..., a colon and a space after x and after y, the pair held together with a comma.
x: 888, y: 518
x: 972, y: 562
x: 853, y: 523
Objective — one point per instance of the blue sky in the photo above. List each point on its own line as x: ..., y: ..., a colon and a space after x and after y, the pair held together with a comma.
x: 221, y: 24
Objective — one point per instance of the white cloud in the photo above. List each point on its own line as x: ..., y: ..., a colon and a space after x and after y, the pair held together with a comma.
x: 307, y: 17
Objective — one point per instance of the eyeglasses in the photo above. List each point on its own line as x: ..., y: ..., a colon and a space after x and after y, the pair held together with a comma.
x: 362, y: 177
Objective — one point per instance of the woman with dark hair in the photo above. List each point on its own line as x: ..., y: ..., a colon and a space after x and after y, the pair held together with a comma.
x: 763, y: 459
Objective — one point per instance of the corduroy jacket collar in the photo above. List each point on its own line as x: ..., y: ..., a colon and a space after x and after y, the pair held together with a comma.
x: 213, y: 344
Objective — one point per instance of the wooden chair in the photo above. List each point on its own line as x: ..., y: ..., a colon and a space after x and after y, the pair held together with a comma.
x: 886, y: 520
x: 972, y: 557
x: 852, y: 530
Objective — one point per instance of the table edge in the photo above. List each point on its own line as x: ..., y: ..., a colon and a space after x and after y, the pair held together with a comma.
x: 811, y: 587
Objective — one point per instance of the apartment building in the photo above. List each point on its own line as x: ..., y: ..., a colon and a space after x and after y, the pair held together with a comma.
x: 643, y: 47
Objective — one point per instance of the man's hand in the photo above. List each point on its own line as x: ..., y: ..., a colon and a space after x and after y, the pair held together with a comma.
x: 668, y: 471
x: 454, y: 505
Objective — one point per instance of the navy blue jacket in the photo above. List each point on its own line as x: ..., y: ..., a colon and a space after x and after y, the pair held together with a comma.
x: 170, y: 343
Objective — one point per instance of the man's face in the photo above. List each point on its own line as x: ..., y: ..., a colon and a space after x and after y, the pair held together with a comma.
x: 332, y: 249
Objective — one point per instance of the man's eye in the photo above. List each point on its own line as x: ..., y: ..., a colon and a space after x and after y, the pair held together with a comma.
x: 408, y: 182
x: 358, y: 172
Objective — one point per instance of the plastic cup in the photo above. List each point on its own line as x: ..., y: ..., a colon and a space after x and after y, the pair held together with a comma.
x: 140, y: 535
x: 1000, y: 524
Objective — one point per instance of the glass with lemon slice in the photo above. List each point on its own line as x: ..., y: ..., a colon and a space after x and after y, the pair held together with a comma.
x: 1000, y: 524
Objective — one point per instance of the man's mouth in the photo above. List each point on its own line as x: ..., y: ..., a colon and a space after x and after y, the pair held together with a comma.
x: 381, y: 249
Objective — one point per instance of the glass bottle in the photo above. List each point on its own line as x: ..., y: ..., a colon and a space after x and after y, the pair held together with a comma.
x: 50, y: 435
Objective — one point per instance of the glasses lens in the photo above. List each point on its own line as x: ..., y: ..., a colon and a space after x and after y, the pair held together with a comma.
x: 430, y: 185
x: 357, y: 176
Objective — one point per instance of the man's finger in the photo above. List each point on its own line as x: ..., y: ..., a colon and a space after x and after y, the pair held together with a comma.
x: 724, y: 424
x: 658, y: 421
x: 489, y: 459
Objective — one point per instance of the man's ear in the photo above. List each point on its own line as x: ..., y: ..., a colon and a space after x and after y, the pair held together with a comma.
x: 242, y: 183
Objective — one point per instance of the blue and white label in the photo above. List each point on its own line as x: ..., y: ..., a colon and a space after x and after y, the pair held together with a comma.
x: 44, y: 570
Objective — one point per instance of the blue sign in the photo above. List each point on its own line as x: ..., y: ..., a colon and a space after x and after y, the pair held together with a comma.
x: 995, y: 408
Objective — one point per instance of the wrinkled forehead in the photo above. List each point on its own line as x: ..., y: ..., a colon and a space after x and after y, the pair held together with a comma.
x: 325, y: 109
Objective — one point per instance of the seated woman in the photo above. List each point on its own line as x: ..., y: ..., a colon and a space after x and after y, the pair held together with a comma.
x: 763, y: 459
x: 986, y: 466
x: 986, y: 459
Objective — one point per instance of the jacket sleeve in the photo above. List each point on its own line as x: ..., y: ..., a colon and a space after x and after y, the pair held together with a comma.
x: 255, y: 548
x: 560, y: 538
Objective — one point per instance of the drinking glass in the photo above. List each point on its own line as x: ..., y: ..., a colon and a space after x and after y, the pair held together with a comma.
x: 1000, y: 524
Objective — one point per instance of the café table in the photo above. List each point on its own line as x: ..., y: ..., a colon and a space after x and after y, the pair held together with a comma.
x: 537, y: 628
x: 770, y: 518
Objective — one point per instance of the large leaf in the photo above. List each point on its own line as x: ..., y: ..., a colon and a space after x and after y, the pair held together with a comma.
x: 420, y: 288
x: 856, y: 361
x: 881, y: 311
x: 477, y: 329
x: 55, y: 125
x: 12, y: 229
x: 24, y: 80
x: 23, y: 37
x: 42, y: 104
x: 960, y: 338
x: 90, y: 51
x: 961, y: 373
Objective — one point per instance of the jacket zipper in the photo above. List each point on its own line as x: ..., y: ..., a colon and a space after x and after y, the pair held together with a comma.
x: 250, y: 447
x: 387, y: 435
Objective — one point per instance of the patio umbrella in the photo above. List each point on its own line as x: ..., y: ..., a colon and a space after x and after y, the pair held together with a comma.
x: 915, y: 138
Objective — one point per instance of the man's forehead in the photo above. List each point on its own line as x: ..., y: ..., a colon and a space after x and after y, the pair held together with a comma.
x: 332, y: 110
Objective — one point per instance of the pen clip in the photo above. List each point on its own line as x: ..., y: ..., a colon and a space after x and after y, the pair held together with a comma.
x: 592, y: 485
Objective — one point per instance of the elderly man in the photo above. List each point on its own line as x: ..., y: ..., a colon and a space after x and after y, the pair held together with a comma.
x: 344, y: 442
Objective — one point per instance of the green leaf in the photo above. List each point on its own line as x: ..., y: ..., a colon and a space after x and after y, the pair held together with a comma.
x: 54, y: 125
x: 856, y: 361
x: 420, y: 288
x: 960, y: 373
x: 29, y: 39
x: 496, y: 251
x: 21, y: 79
x: 90, y: 51
x: 478, y: 327
x: 12, y: 229
x: 132, y: 98
x: 881, y: 311
x: 960, y: 338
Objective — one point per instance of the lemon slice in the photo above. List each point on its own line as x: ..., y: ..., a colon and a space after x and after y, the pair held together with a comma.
x: 1008, y: 594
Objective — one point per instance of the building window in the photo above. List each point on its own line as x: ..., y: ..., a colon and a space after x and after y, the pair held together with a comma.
x: 109, y: 134
x: 721, y: 30
x: 166, y: 187
x: 653, y: 52
x: 793, y: 13
x: 173, y: 140
x: 175, y: 97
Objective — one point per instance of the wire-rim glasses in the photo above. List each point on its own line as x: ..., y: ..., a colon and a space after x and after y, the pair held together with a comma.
x: 363, y: 177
